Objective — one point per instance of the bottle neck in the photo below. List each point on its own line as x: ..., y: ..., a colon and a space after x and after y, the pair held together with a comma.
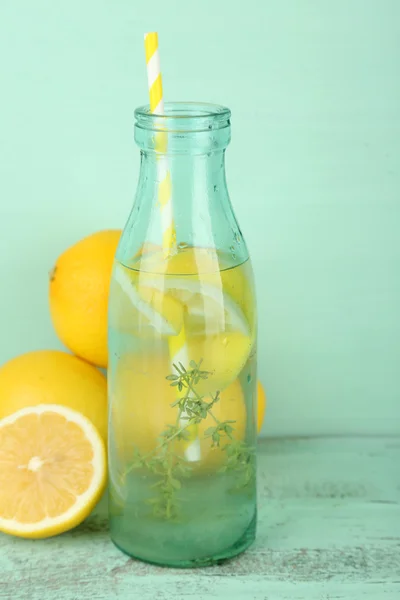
x: 195, y: 184
x: 182, y: 185
x: 194, y: 178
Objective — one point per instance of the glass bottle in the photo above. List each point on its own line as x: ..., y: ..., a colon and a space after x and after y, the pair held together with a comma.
x: 182, y: 352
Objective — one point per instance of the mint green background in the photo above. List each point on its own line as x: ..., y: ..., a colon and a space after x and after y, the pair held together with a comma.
x: 313, y: 169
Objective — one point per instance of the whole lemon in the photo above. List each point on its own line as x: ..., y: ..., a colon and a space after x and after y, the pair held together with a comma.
x: 54, y: 377
x: 78, y: 295
x: 261, y: 405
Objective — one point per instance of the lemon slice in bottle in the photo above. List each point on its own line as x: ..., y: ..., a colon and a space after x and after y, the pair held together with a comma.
x: 159, y: 311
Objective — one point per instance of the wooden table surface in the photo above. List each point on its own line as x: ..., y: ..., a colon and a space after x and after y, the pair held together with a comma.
x: 329, y: 528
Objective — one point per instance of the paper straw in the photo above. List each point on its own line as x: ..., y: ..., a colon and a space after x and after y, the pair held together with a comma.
x: 154, y: 80
x: 177, y: 344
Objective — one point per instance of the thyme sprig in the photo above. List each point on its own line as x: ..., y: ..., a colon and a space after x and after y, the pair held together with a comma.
x: 164, y: 462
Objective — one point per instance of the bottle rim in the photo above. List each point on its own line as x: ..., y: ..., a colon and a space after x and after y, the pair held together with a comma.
x: 183, y: 117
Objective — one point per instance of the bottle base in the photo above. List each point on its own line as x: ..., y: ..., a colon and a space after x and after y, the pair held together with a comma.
x: 237, y: 548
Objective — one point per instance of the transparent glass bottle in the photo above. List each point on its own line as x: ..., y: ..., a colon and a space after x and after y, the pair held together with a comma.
x: 182, y: 352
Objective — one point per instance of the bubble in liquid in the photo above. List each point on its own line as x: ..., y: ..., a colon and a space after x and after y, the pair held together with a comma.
x: 248, y: 378
x: 215, y: 188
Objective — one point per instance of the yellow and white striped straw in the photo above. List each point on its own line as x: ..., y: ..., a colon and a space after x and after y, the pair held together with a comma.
x: 177, y: 344
x: 154, y: 80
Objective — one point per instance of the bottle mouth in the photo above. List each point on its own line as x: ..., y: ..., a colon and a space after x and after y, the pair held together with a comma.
x: 184, y: 117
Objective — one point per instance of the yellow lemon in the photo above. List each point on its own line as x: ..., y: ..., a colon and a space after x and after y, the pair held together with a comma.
x: 52, y: 470
x: 224, y: 355
x: 261, y: 405
x: 54, y: 377
x: 78, y: 295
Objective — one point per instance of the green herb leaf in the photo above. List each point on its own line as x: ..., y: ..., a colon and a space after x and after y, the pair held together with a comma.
x: 176, y: 484
x: 208, y: 432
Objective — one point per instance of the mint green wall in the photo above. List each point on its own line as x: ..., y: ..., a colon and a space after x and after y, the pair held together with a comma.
x: 313, y: 168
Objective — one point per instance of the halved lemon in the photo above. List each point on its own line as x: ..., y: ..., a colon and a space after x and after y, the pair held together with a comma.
x: 52, y: 470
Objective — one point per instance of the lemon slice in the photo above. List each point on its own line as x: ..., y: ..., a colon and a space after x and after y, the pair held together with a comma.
x: 52, y: 470
x: 204, y: 299
x: 223, y: 356
x: 193, y: 277
x: 193, y: 280
x: 164, y: 307
x: 163, y: 313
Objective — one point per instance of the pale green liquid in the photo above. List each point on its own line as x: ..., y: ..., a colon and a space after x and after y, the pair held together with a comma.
x: 214, y: 522
x: 215, y: 512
